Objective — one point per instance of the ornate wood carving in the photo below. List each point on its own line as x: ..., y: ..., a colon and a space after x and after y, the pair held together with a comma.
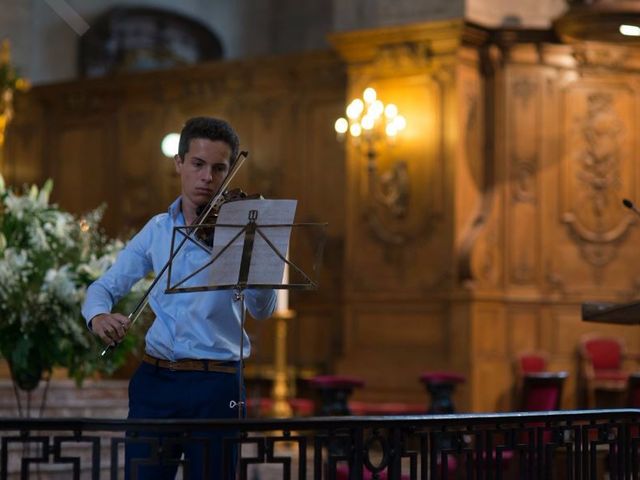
x: 523, y: 128
x: 476, y: 258
x: 393, y: 198
x: 595, y: 179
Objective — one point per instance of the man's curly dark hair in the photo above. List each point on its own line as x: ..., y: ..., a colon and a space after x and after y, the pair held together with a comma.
x: 209, y: 128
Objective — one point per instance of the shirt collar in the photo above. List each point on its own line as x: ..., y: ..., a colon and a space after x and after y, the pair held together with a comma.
x: 175, y: 210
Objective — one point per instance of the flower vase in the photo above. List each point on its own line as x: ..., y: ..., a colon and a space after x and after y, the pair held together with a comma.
x: 27, y: 378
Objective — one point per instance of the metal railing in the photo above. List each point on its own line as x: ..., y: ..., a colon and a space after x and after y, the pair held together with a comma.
x: 589, y: 444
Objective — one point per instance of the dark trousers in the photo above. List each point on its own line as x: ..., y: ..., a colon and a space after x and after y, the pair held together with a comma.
x: 161, y: 393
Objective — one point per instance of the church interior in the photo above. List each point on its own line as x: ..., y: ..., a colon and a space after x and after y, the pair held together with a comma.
x: 466, y: 226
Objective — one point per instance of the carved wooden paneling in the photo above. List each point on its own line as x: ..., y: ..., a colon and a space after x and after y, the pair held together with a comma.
x: 24, y: 140
x: 390, y: 346
x: 477, y: 240
x: 401, y: 328
x: 598, y: 167
x: 81, y: 160
x: 141, y: 165
x: 489, y: 331
x: 522, y: 163
x: 590, y: 167
x: 394, y: 252
x: 489, y: 373
x: 492, y: 388
x: 523, y: 330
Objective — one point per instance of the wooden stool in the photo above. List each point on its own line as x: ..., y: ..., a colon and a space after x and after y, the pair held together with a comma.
x: 440, y: 386
x: 335, y: 391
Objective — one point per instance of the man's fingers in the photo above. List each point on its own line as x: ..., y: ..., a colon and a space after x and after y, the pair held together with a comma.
x: 111, y: 328
x: 106, y: 339
x: 124, y: 321
x: 110, y: 338
x: 112, y: 332
x: 120, y: 330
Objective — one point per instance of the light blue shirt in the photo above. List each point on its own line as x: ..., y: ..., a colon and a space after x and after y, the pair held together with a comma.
x: 187, y: 325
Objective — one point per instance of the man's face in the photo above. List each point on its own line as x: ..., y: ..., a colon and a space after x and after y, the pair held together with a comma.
x: 204, y: 168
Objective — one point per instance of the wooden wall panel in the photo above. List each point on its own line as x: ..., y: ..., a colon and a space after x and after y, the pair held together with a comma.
x: 523, y: 117
x: 597, y: 170
x: 391, y: 253
x: 141, y: 166
x: 82, y: 163
x: 473, y: 197
x: 25, y: 140
x: 524, y: 329
x: 391, y: 346
x: 400, y: 328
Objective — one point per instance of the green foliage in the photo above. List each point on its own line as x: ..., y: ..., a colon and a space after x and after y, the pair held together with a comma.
x: 48, y: 258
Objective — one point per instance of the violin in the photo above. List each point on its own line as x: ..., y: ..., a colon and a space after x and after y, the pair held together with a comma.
x: 205, y: 230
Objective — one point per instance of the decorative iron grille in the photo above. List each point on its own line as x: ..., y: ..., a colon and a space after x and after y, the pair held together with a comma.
x: 591, y: 444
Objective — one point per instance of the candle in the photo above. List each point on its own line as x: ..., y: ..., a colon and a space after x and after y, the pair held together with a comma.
x: 283, y: 294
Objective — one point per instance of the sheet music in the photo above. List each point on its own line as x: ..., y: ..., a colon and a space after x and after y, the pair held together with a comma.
x: 266, y: 267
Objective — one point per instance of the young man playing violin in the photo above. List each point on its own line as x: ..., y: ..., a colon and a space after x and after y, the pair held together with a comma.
x: 190, y: 367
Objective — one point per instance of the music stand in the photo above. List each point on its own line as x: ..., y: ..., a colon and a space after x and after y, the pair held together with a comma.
x: 605, y: 312
x: 244, y: 256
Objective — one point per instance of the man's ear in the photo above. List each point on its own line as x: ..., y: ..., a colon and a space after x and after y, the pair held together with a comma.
x: 179, y: 162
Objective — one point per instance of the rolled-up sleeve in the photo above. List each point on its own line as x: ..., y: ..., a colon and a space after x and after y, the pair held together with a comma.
x: 260, y: 303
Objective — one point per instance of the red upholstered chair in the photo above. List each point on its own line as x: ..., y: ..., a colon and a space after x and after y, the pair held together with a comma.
x: 602, y: 365
x: 531, y: 362
x: 542, y: 391
x: 525, y: 362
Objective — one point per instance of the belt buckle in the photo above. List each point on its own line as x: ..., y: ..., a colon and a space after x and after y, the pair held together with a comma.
x: 173, y: 366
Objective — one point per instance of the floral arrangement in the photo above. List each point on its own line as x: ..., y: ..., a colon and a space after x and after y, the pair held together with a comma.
x: 48, y: 258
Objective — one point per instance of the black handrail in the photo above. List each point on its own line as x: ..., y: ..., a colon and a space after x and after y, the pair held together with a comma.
x: 565, y: 444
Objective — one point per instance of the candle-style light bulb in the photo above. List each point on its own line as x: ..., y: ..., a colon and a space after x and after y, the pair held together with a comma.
x: 369, y: 95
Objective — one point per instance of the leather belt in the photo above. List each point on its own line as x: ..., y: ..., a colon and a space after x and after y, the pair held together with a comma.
x: 192, y: 364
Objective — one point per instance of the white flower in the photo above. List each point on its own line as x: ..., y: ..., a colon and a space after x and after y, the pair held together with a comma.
x: 33, y: 193
x: 17, y: 206
x: 114, y: 247
x: 37, y: 237
x: 62, y: 226
x: 14, y: 271
x: 47, y: 257
x: 95, y: 266
x: 45, y: 192
x: 60, y: 283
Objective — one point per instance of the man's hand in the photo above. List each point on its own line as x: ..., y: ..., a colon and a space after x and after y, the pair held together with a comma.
x: 110, y: 327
